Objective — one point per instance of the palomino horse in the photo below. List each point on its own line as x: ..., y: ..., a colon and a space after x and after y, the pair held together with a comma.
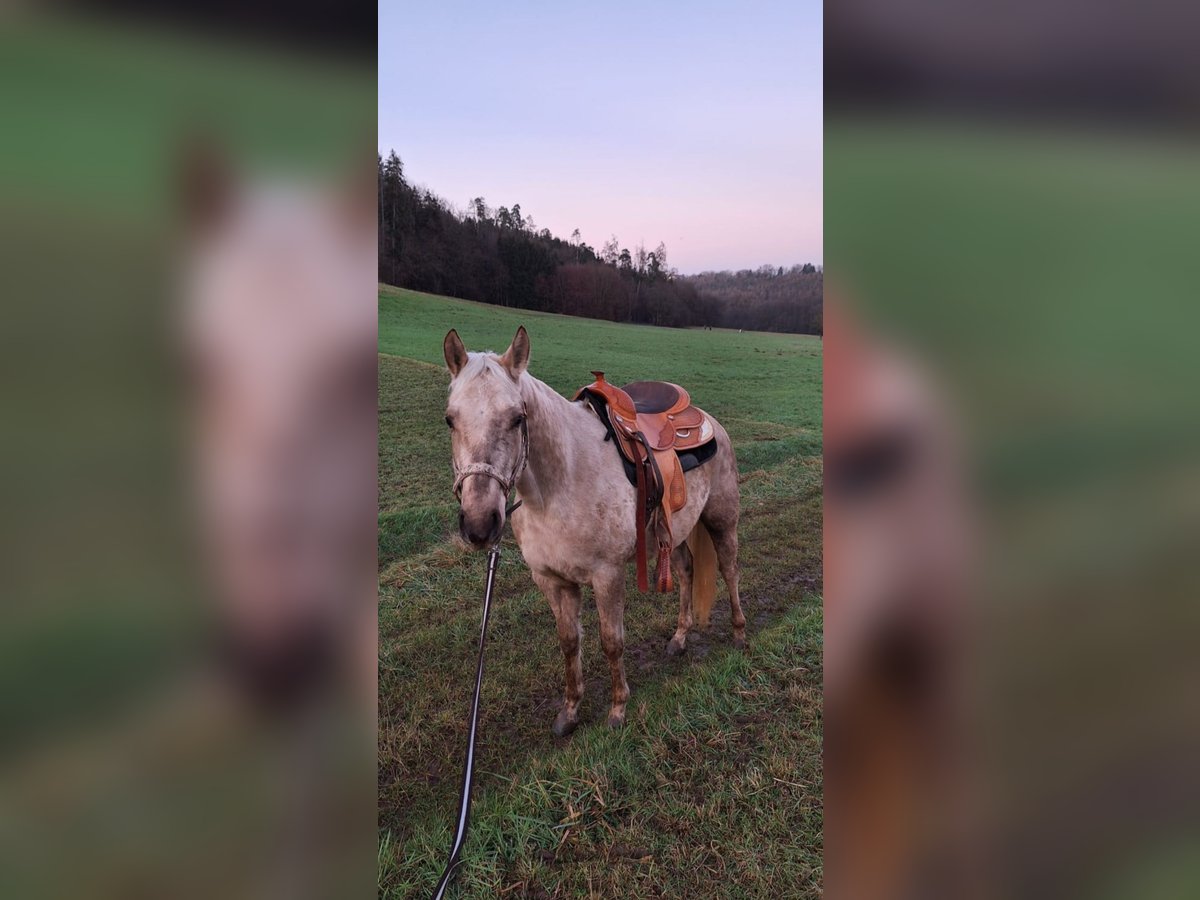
x: 576, y: 524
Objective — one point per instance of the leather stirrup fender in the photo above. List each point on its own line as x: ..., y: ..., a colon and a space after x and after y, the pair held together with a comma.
x: 643, y: 580
x: 662, y: 535
x: 664, y: 584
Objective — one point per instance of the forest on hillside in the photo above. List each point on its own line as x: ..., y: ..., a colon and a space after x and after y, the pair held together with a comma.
x: 769, y: 298
x: 500, y: 256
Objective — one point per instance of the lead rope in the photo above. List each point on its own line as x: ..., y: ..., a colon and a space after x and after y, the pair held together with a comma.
x: 464, y: 800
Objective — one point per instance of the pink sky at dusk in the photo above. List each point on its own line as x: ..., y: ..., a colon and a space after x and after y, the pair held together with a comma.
x: 696, y: 125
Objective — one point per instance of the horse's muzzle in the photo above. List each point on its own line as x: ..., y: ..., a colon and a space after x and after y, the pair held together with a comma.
x: 480, y: 530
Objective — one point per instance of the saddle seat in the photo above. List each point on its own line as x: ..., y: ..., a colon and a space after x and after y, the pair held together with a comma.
x: 660, y: 435
x: 657, y: 396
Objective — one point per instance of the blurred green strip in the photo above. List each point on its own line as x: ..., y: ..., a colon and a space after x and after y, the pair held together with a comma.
x: 92, y: 113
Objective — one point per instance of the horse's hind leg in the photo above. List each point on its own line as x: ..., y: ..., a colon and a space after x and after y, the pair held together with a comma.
x: 564, y: 601
x: 681, y: 562
x: 724, y: 535
x: 609, y: 588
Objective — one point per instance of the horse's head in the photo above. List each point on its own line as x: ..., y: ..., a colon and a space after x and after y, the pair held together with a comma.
x: 279, y: 337
x: 488, y: 438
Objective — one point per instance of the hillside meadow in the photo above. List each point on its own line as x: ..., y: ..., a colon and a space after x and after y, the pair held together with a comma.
x: 713, y: 788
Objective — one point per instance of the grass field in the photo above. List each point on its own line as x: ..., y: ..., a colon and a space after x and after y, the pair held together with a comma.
x: 713, y: 788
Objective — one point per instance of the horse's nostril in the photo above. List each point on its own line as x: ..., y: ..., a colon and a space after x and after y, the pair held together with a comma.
x: 481, y: 528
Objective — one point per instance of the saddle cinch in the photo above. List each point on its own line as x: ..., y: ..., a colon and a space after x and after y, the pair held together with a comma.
x: 659, y: 435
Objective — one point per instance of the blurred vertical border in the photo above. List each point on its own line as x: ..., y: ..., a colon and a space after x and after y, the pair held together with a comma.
x: 1011, y: 204
x: 119, y: 774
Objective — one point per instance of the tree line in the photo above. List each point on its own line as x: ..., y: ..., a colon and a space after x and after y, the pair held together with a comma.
x: 769, y: 298
x: 500, y: 256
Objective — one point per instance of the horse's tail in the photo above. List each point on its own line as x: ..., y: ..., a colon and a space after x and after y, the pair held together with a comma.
x: 704, y: 572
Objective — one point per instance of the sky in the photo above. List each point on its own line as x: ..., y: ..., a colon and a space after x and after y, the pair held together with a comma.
x: 695, y: 124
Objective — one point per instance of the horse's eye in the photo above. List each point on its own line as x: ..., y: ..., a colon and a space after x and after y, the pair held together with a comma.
x: 449, y: 421
x: 517, y: 420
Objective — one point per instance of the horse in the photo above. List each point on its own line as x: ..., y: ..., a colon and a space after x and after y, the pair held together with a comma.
x: 576, y: 522
x: 277, y: 330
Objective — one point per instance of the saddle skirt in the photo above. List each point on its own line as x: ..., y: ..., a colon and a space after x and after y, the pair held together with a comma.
x: 659, y: 435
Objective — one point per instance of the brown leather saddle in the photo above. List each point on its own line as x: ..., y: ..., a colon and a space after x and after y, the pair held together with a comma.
x: 660, y: 435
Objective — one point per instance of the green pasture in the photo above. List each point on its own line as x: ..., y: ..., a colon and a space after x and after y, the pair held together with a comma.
x: 713, y: 788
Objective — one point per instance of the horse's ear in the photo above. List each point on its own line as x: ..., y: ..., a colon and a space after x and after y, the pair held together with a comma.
x: 455, y: 352
x: 516, y: 357
x: 358, y: 191
x: 206, y: 184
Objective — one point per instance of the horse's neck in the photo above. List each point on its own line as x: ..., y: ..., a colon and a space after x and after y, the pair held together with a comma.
x: 556, y: 426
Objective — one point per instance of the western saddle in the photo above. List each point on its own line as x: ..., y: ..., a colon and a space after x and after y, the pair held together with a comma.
x: 659, y: 435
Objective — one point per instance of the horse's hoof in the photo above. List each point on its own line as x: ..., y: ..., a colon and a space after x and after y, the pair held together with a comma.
x: 564, y: 724
x: 616, y: 721
x: 674, y: 647
x: 739, y: 640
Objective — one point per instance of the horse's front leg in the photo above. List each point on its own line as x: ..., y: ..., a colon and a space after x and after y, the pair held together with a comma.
x: 609, y: 588
x: 564, y: 601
